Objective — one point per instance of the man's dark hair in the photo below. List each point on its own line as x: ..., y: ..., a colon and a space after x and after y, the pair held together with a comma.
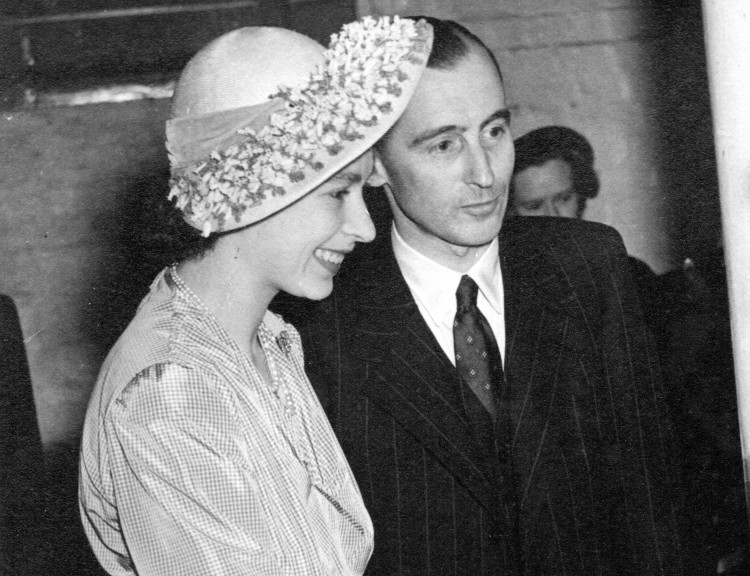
x: 451, y: 43
x: 560, y: 143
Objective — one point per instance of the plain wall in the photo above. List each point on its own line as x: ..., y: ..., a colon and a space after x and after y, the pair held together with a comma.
x: 69, y: 180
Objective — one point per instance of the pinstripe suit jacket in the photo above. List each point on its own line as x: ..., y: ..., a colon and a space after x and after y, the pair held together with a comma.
x: 577, y: 478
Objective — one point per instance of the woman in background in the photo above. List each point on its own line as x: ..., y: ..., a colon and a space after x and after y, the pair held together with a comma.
x: 205, y: 450
x: 554, y: 175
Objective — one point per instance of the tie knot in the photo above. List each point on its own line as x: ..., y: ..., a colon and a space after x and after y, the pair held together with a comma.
x: 466, y: 295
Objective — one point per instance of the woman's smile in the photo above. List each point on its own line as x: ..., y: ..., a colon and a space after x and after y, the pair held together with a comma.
x: 329, y: 259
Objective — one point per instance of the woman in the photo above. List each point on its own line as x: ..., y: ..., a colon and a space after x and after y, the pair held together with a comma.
x: 554, y: 174
x: 205, y: 450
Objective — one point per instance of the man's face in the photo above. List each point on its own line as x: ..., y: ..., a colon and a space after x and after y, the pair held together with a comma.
x: 448, y: 160
x: 545, y: 190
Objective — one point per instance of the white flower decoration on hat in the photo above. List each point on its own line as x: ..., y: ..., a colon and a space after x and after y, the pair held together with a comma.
x: 371, y: 69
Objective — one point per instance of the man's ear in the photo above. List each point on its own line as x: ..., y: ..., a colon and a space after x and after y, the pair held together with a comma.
x: 379, y: 176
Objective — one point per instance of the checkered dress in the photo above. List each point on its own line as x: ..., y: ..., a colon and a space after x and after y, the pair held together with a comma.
x: 192, y: 464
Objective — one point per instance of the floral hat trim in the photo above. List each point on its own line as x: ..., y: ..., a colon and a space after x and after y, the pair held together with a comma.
x: 363, y: 76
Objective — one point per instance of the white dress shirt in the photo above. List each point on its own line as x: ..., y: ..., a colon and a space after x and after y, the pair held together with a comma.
x: 434, y: 286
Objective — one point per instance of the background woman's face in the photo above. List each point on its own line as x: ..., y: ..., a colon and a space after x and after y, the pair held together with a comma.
x: 546, y: 190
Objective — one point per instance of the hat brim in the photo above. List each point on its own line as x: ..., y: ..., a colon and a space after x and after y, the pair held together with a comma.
x: 327, y: 160
x: 334, y: 163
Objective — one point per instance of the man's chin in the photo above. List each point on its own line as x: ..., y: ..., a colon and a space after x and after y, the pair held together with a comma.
x: 476, y: 238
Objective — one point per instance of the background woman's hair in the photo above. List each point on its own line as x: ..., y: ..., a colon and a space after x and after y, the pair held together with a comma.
x: 560, y: 143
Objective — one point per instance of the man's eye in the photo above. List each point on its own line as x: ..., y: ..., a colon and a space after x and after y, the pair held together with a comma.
x: 494, y: 134
x: 532, y: 206
x: 443, y: 146
x: 497, y: 131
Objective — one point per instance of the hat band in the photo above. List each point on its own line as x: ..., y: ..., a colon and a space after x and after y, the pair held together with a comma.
x: 192, y: 139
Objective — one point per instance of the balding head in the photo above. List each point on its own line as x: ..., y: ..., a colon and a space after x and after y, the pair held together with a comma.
x: 243, y: 68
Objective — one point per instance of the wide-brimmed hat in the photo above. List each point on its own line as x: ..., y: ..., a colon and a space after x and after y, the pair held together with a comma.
x: 262, y: 116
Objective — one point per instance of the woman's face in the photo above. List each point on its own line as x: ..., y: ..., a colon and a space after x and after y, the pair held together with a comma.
x: 545, y: 190
x: 300, y: 249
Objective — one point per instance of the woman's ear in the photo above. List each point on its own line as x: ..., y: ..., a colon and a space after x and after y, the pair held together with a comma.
x: 379, y: 177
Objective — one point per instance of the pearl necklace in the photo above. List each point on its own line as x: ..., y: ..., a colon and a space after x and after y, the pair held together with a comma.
x: 184, y: 287
x: 266, y: 342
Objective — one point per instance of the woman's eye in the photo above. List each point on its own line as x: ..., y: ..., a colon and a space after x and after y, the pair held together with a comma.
x: 339, y: 194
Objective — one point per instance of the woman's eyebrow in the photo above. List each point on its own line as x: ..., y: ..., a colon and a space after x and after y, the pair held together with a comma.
x: 347, y: 177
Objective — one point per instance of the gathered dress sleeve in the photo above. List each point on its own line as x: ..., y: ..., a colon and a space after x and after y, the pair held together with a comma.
x: 188, y: 497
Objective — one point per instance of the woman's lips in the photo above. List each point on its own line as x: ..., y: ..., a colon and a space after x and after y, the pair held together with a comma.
x: 329, y: 259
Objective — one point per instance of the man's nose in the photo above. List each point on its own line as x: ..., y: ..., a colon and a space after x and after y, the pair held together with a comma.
x: 481, y: 168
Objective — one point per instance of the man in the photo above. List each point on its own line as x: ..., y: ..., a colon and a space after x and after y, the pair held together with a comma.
x: 558, y: 464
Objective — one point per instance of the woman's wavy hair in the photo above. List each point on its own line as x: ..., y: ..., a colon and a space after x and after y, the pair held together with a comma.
x: 560, y: 143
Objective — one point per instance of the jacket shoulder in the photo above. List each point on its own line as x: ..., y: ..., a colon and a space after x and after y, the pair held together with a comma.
x: 562, y: 236
x: 554, y: 227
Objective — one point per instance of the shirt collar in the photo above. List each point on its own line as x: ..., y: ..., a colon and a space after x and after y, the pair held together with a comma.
x: 486, y: 273
x: 437, y: 284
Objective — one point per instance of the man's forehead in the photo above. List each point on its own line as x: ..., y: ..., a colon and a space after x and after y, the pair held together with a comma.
x: 475, y: 63
x: 475, y: 67
x: 469, y: 92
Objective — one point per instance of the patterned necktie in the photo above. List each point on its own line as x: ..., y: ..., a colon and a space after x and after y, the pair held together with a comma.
x: 477, y: 355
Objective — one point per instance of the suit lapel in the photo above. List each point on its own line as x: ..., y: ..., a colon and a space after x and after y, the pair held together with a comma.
x: 409, y: 375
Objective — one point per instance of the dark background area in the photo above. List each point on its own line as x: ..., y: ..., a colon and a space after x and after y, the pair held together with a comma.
x: 58, y: 45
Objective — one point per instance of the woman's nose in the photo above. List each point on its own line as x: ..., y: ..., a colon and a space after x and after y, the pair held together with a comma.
x: 358, y: 222
x: 548, y: 209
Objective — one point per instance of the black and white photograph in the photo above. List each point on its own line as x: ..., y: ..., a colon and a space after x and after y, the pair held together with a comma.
x: 374, y: 287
